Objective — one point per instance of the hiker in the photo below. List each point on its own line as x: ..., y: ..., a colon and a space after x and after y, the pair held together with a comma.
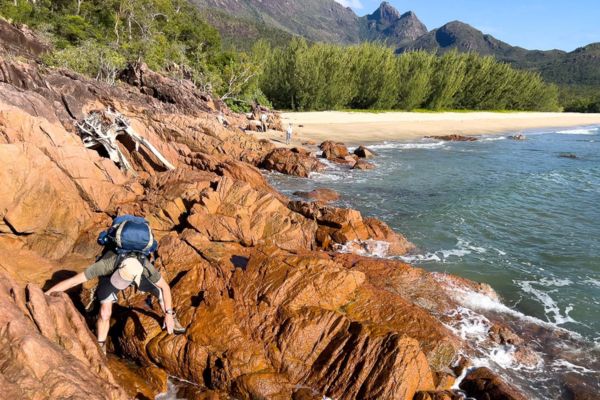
x: 263, y: 121
x: 288, y: 134
x: 125, y: 262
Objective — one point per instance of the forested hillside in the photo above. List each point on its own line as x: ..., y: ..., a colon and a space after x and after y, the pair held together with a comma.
x: 98, y: 38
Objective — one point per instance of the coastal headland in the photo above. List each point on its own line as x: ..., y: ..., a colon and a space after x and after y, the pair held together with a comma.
x: 368, y: 127
x: 273, y: 308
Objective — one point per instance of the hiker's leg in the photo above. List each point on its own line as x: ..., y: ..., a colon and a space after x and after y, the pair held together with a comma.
x: 107, y: 295
x: 103, y: 324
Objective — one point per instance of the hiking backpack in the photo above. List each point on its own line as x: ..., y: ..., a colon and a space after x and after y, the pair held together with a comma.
x: 129, y: 234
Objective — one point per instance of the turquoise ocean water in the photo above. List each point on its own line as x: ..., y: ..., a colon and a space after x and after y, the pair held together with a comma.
x: 523, y: 216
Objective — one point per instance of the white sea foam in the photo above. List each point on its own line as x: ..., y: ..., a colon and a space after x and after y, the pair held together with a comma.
x: 592, y: 281
x: 462, y: 249
x: 474, y: 328
x: 579, y: 131
x: 400, y: 145
x: 480, y: 301
x: 551, y: 308
x: 493, y: 139
x: 558, y: 282
x: 170, y: 394
x: 324, y: 177
x: 369, y: 248
x: 562, y: 365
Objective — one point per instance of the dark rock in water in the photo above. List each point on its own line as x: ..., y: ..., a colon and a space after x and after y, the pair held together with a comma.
x: 363, y: 165
x: 503, y: 335
x: 363, y: 152
x: 518, y: 137
x: 568, y: 155
x: 332, y: 150
x: 453, y: 138
x: 321, y: 194
x: 483, y: 384
x: 576, y: 388
x: 289, y: 162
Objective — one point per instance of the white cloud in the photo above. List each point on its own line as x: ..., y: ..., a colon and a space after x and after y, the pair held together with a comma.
x: 350, y: 3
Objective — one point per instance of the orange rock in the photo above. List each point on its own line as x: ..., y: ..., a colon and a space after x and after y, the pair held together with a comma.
x: 46, y: 349
x: 321, y: 194
x: 291, y: 163
x: 363, y: 165
x: 332, y: 150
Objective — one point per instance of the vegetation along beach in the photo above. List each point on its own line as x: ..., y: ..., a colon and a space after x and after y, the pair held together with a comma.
x: 305, y: 200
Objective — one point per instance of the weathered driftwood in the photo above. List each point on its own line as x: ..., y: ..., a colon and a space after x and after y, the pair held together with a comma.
x: 101, y: 129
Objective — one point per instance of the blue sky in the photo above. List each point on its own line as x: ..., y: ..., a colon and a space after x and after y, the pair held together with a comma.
x: 533, y: 24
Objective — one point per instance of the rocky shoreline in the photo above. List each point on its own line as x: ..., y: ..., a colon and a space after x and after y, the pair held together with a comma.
x: 271, y: 310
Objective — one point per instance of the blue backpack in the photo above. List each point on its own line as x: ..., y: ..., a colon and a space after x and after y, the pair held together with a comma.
x: 129, y: 234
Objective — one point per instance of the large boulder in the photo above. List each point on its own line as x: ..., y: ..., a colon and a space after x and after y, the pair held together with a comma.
x: 291, y: 163
x: 363, y: 165
x: 46, y: 349
x: 484, y: 384
x: 235, y: 212
x: 20, y: 41
x: 334, y: 151
x: 363, y: 152
x: 182, y: 93
x: 347, y: 227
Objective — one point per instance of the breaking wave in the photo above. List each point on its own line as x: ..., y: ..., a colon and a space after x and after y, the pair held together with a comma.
x: 462, y: 249
x: 579, y: 131
x: 400, y: 145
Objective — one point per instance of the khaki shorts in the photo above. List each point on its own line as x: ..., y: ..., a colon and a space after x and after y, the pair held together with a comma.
x: 107, y: 293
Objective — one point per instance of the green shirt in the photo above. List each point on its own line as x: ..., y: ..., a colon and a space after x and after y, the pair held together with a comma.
x: 105, y: 266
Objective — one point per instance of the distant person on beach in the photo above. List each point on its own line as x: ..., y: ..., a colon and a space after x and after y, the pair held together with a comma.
x: 288, y: 134
x: 124, y: 263
x: 263, y: 121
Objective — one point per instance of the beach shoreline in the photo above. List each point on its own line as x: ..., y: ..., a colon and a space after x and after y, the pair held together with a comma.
x: 355, y: 128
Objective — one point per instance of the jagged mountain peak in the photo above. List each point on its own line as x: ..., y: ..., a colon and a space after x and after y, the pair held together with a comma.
x: 386, y: 13
x: 388, y: 25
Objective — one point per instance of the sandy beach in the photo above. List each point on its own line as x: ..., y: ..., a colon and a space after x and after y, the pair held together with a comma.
x: 363, y: 127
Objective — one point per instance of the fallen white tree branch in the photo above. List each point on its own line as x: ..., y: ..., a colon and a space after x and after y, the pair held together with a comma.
x: 101, y: 129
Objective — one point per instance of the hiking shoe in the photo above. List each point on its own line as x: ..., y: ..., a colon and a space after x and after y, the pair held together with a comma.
x: 178, y: 329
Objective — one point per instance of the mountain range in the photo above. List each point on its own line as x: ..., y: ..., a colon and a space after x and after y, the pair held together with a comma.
x: 241, y: 22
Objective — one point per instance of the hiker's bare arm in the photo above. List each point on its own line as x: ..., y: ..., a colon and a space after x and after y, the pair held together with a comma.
x: 167, y: 304
x: 68, y: 283
x: 166, y: 291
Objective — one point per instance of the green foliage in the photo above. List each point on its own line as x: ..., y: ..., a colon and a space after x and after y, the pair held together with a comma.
x: 369, y: 76
x: 415, y: 82
x: 90, y: 58
x: 376, y: 74
x: 98, y: 37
